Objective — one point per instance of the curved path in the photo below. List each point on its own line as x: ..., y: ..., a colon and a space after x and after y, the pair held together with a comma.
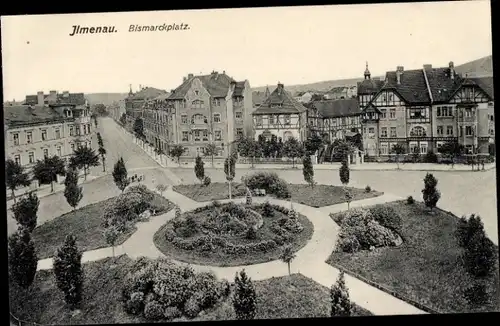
x: 310, y: 260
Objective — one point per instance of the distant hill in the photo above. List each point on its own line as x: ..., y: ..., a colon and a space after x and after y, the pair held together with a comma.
x: 105, y: 98
x: 478, y: 68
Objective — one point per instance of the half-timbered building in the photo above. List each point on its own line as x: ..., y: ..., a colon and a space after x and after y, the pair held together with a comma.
x: 280, y: 115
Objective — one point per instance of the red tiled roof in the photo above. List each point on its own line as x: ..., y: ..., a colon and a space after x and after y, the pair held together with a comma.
x: 280, y: 96
x: 337, y: 108
x: 217, y: 85
x: 27, y: 114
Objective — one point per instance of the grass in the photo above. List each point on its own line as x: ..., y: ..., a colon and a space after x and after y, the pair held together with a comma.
x: 283, y: 297
x: 426, y: 268
x: 85, y: 224
x: 220, y: 258
x: 318, y: 196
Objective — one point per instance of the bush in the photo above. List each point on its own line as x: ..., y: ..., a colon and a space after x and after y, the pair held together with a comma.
x: 348, y: 242
x: 468, y: 228
x: 387, y: 217
x: 172, y: 313
x: 251, y: 234
x: 267, y: 210
x: 480, y: 256
x: 135, y: 305
x: 207, y: 181
x: 368, y: 189
x: 476, y: 294
x: 410, y: 200
x: 430, y: 157
x: 192, y: 307
x: 270, y: 182
x: 153, y: 310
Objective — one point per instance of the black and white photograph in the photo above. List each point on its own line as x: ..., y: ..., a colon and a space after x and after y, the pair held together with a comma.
x: 250, y: 163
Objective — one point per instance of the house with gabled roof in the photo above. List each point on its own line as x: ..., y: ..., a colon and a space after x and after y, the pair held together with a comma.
x: 134, y: 103
x: 280, y: 115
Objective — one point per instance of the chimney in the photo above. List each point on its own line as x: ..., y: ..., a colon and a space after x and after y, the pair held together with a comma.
x: 452, y: 70
x: 65, y: 94
x: 40, y: 98
x: 190, y: 76
x: 140, y: 87
x: 53, y: 96
x: 280, y: 88
x: 233, y: 85
x: 223, y: 72
x: 427, y: 67
x: 184, y: 79
x: 399, y: 72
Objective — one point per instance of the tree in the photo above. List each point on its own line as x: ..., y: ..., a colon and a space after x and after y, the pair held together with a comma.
x: 248, y: 147
x: 123, y: 119
x: 313, y: 144
x: 139, y: 128
x: 230, y: 170
x: 344, y: 173
x: 25, y: 211
x: 292, y: 148
x: 68, y: 271
x: 468, y: 228
x: 15, y: 177
x: 287, y: 255
x: 161, y: 188
x: 339, y: 296
x: 102, y: 151
x: 480, y: 255
x: 398, y: 150
x: 22, y: 258
x: 430, y: 193
x: 244, y: 300
x: 178, y: 212
x: 48, y: 169
x: 199, y: 169
x: 120, y: 175
x: 308, y: 171
x: 453, y: 150
x: 177, y: 151
x: 72, y: 191
x: 211, y: 150
x: 111, y: 234
x: 248, y: 197
x: 84, y: 157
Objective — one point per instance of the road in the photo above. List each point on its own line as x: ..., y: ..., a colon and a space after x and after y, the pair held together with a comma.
x: 117, y: 144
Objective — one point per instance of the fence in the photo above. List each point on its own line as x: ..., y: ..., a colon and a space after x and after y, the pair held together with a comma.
x: 269, y: 160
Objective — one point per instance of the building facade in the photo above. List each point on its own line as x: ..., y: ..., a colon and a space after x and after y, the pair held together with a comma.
x: 207, y: 109
x: 135, y: 102
x: 55, y: 127
x: 155, y: 118
x: 341, y: 92
x: 280, y: 115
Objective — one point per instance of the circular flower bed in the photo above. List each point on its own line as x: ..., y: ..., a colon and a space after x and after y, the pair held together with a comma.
x: 233, y: 234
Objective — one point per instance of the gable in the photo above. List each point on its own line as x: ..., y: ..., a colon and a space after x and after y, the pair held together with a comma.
x: 196, y: 91
x: 470, y: 94
x: 387, y: 98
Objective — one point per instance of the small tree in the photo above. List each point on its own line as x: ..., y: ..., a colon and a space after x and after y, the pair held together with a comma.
x: 308, y: 171
x: 15, y: 177
x: 249, y: 197
x: 123, y: 119
x: 398, y: 149
x: 287, y: 255
x: 199, y: 169
x: 211, y: 150
x: 348, y: 197
x: 178, y: 212
x: 453, y: 150
x: 22, y: 258
x: 48, y: 169
x: 177, y: 151
x: 72, y: 191
x: 313, y: 144
x: 102, y: 151
x: 468, y: 228
x: 480, y: 255
x: 111, y: 234
x: 25, y: 211
x: 68, y: 271
x: 244, y: 300
x: 292, y: 148
x: 339, y: 296
x: 430, y: 193
x: 161, y: 188
x: 344, y: 173
x: 230, y: 171
x: 84, y: 157
x: 139, y: 128
x: 120, y: 175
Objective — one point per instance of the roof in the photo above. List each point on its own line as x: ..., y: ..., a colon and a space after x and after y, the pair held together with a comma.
x: 486, y: 84
x: 441, y: 85
x: 337, y: 108
x: 288, y: 105
x: 369, y: 86
x: 27, y: 114
x: 412, y: 88
x: 73, y: 98
x: 147, y: 93
x: 162, y: 96
x: 239, y: 88
x: 216, y: 84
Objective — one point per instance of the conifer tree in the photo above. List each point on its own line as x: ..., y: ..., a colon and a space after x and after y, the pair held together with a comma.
x: 244, y: 300
x: 249, y: 197
x: 120, y: 175
x: 72, y: 191
x: 308, y: 171
x: 25, y: 211
x: 339, y: 296
x: 199, y: 169
x: 23, y: 260
x: 68, y: 271
x: 344, y: 173
x: 430, y: 193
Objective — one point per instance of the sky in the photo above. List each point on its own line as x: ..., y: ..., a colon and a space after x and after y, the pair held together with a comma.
x: 292, y: 45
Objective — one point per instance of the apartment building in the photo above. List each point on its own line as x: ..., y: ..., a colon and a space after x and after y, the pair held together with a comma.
x: 52, y: 125
x: 155, y: 118
x: 206, y: 109
x: 281, y: 115
x: 135, y: 102
x: 424, y: 108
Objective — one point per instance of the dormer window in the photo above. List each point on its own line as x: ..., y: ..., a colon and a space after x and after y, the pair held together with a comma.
x: 197, y: 92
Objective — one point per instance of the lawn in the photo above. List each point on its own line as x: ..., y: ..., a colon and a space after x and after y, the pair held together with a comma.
x: 85, y: 224
x: 291, y: 296
x: 220, y: 255
x: 426, y: 268
x: 317, y: 196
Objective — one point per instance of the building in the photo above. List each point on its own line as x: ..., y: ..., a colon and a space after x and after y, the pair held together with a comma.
x: 335, y: 119
x: 424, y: 108
x: 206, y: 109
x: 155, y: 118
x: 304, y: 97
x: 117, y: 109
x: 341, y: 92
x: 52, y: 125
x: 134, y: 103
x: 259, y: 97
x: 281, y: 115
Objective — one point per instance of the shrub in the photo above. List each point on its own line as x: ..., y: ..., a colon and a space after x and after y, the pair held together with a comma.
x: 368, y: 189
x: 244, y: 300
x: 339, y: 296
x: 192, y: 307
x: 480, y: 256
x: 387, y: 217
x: 468, y: 228
x: 135, y: 305
x: 476, y: 294
x: 225, y: 288
x: 410, y: 200
x: 249, y: 197
x: 270, y: 182
x: 292, y: 214
x: 430, y: 193
x: 172, y: 313
x: 430, y: 157
x: 25, y: 211
x: 153, y: 310
x: 68, y: 271
x: 267, y: 210
x: 206, y: 289
x: 22, y: 258
x: 348, y: 242
x: 251, y: 234
x: 207, y: 181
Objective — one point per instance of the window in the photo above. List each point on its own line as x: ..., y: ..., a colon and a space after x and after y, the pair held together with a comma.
x: 29, y: 137
x: 449, y: 130
x: 59, y: 151
x: 198, y: 119
x: 185, y: 136
x: 383, y: 113
x: 371, y: 132
x: 239, y: 132
x: 78, y: 131
x: 217, y: 117
x: 440, y: 130
x: 186, y: 151
x: 17, y: 159
x: 383, y: 132
x: 423, y: 148
x: 197, y: 104
x: 286, y: 119
x: 205, y: 135
x: 239, y: 115
x: 197, y: 135
x: 45, y: 153
x: 271, y: 120
x: 384, y: 149
x: 71, y: 130
x: 72, y: 147
x: 417, y: 113
x: 184, y: 119
x: 468, y: 131
x: 468, y: 113
x: 44, y: 134
x: 218, y: 135
x: 15, y: 138
x: 392, y: 114
x: 216, y: 102
x: 444, y: 111
x: 418, y: 132
x: 200, y: 151
x: 31, y: 157
x: 258, y: 120
x: 393, y: 131
x: 196, y: 92
x: 58, y: 133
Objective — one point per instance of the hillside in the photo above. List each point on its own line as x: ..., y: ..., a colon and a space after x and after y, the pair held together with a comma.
x: 478, y: 68
x: 105, y: 98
